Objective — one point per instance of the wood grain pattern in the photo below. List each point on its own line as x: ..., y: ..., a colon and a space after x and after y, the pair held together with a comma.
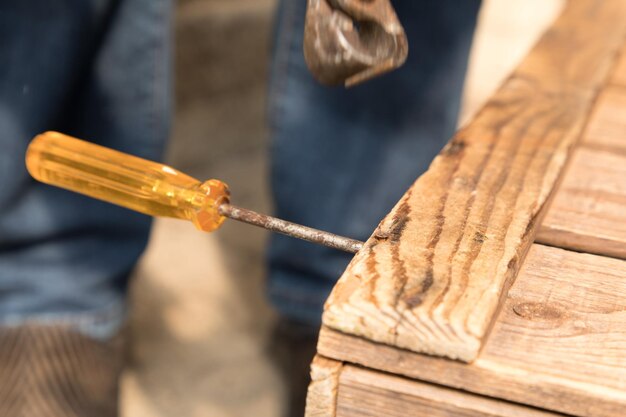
x: 588, y: 213
x: 619, y: 74
x: 431, y: 277
x: 367, y: 393
x: 559, y: 342
x: 321, y: 400
x: 607, y: 126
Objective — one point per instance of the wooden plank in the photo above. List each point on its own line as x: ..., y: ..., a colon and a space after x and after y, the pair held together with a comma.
x: 588, y: 213
x: 559, y: 342
x: 367, y: 393
x: 321, y: 400
x: 431, y: 277
x: 607, y: 126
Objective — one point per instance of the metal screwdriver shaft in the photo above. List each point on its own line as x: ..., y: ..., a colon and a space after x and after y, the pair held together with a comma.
x: 290, y: 229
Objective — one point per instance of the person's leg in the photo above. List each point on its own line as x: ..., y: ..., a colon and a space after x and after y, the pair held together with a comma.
x: 99, y: 70
x: 342, y: 158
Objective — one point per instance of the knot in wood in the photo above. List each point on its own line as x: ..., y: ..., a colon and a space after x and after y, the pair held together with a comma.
x: 539, y: 311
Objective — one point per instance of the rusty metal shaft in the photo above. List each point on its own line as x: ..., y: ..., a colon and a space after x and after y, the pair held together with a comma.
x: 290, y: 229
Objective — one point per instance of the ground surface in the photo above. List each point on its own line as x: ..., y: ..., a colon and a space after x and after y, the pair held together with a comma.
x: 200, y: 321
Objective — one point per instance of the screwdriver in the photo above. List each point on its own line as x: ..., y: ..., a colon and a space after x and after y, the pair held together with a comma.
x: 152, y: 188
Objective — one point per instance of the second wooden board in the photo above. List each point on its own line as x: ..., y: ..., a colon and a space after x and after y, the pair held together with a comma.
x: 588, y: 213
x: 607, y: 126
x: 559, y: 342
x: 367, y: 393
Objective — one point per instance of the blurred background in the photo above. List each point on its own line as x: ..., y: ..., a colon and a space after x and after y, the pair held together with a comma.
x: 200, y: 322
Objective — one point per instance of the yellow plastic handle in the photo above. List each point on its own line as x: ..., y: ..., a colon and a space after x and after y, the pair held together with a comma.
x: 135, y: 183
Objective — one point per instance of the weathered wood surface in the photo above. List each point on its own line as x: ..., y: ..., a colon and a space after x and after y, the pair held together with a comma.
x: 367, y: 393
x: 559, y: 342
x: 588, y: 213
x: 607, y: 126
x: 321, y: 400
x: 431, y: 277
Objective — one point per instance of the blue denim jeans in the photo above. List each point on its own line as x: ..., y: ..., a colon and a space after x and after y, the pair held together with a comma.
x: 97, y: 69
x: 342, y: 158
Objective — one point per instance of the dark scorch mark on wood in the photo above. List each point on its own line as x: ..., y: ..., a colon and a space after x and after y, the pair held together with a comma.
x: 416, y: 298
x: 371, y: 269
x: 400, y: 220
x: 454, y: 148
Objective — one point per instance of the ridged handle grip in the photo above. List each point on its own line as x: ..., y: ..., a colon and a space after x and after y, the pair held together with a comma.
x: 115, y: 177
